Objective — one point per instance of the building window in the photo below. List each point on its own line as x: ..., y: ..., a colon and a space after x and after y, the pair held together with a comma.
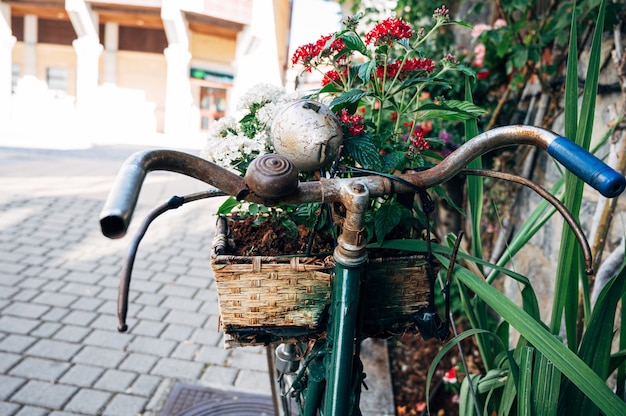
x: 15, y: 76
x: 212, y: 105
x: 56, y: 77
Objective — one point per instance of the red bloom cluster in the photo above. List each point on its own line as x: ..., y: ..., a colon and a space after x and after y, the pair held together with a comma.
x: 387, y: 31
x: 333, y: 76
x: 418, y: 64
x: 354, y: 123
x: 308, y: 53
x: 418, y: 143
x: 410, y: 65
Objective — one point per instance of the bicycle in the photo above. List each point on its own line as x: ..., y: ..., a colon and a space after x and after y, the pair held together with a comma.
x: 325, y: 375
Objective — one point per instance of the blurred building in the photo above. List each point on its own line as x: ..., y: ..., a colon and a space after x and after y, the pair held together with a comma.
x: 132, y: 67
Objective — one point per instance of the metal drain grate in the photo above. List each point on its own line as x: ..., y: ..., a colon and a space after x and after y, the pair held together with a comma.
x: 191, y: 400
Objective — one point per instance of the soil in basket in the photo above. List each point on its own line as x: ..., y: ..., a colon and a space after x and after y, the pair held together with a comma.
x: 271, y: 239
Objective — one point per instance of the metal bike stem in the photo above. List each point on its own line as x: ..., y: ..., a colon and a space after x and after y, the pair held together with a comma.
x: 343, y: 339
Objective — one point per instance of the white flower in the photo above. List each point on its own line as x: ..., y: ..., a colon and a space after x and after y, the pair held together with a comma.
x: 260, y: 95
x: 266, y: 114
x: 226, y: 145
x: 223, y: 126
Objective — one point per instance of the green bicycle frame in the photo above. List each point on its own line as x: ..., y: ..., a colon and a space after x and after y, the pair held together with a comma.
x: 342, y: 355
x: 342, y: 360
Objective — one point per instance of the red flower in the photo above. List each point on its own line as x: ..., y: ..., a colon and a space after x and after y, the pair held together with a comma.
x: 483, y: 74
x: 418, y: 143
x: 304, y: 55
x: 387, y: 31
x: 332, y: 76
x: 335, y: 46
x: 418, y: 64
x: 353, y: 123
x: 357, y: 129
x: 410, y: 65
x: 345, y: 117
x: 309, y: 53
x: 450, y: 376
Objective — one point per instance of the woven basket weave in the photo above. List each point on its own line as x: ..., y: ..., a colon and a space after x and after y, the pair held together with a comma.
x: 268, y: 299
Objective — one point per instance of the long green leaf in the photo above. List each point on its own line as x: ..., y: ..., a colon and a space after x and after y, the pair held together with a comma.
x: 452, y: 343
x: 546, y: 387
x: 475, y: 198
x: 564, y: 290
x: 452, y: 110
x: 568, y: 270
x: 474, y: 183
x: 525, y: 382
x: 509, y: 393
x: 621, y: 368
x: 595, y: 348
x: 568, y: 363
x: 466, y: 401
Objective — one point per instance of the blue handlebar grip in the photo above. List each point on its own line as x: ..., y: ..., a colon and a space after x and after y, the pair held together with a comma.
x: 587, y: 167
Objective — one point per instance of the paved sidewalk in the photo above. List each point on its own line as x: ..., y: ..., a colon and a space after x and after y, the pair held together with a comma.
x: 60, y: 352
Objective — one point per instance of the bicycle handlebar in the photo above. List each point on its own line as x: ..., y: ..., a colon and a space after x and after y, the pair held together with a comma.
x: 117, y: 212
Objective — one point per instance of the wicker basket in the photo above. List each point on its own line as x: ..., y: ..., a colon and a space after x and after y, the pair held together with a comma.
x: 268, y: 299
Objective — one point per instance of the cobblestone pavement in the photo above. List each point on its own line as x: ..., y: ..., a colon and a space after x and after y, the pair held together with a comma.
x: 60, y: 352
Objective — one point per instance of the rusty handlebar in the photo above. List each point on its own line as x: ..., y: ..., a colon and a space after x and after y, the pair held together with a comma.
x: 117, y: 212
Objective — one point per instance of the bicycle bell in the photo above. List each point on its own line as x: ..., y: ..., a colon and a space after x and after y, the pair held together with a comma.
x: 307, y: 133
x: 271, y: 176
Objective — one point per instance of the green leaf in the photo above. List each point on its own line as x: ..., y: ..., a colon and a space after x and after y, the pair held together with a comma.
x: 453, y: 110
x: 353, y: 42
x: 474, y: 184
x: 568, y: 268
x: 393, y: 160
x: 466, y: 70
x: 460, y: 23
x: 404, y: 42
x: 520, y: 57
x: 228, y: 205
x: 386, y: 218
x: 253, y: 209
x: 365, y: 70
x: 595, y: 347
x: 568, y: 363
x: 347, y: 98
x: 525, y: 380
x: 364, y: 152
x: 307, y: 214
x: 617, y: 359
x: 453, y: 343
x: 329, y: 88
x: 546, y: 387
